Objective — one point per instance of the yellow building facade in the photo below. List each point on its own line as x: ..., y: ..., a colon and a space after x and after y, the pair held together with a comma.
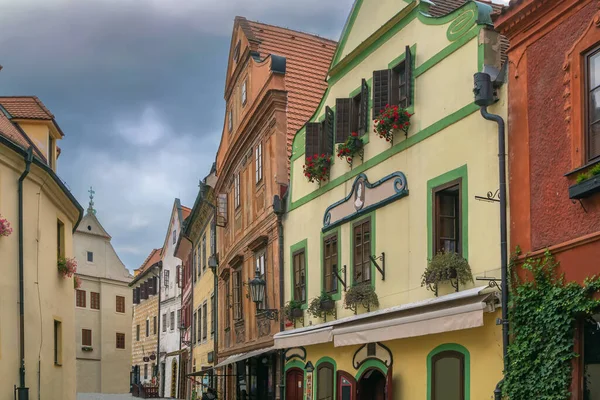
x: 50, y: 214
x: 376, y: 220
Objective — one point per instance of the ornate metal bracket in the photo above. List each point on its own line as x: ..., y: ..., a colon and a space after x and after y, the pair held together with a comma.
x: 334, y: 315
x: 381, y: 268
x: 298, y: 319
x: 490, y: 197
x: 433, y: 287
x: 270, y: 314
x: 580, y: 203
x: 339, y: 278
x: 493, y: 282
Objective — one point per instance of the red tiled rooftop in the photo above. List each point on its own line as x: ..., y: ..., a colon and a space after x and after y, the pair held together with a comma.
x: 26, y: 107
x: 186, y: 211
x: 9, y: 131
x: 308, y: 58
x: 152, y: 259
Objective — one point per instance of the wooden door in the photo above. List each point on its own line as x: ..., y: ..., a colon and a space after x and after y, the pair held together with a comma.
x: 389, y: 387
x: 346, y: 386
x: 294, y: 384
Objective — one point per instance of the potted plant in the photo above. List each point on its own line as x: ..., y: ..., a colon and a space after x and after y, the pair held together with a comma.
x: 444, y: 267
x: 76, y: 282
x: 586, y: 184
x: 66, y: 266
x: 362, y: 294
x: 87, y: 348
x: 317, y: 168
x: 392, y: 118
x: 5, y: 229
x: 321, y: 306
x: 352, y: 146
x: 293, y: 310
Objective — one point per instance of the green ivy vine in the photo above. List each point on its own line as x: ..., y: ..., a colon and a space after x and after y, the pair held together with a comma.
x: 543, y: 310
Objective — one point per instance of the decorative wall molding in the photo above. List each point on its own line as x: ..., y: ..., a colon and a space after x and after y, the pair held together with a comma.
x: 372, y: 351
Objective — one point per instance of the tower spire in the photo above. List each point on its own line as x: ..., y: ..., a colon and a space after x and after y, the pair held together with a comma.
x: 91, y: 209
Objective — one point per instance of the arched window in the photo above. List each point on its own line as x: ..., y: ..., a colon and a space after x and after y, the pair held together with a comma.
x: 448, y: 376
x: 325, y: 381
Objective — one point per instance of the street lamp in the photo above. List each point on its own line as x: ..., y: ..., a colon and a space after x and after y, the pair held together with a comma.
x: 257, y: 291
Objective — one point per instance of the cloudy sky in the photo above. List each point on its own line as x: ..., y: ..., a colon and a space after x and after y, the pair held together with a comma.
x: 137, y: 87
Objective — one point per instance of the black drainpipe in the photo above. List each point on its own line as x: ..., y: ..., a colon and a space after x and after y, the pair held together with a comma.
x: 158, y: 331
x: 23, y: 392
x: 278, y: 209
x: 485, y: 96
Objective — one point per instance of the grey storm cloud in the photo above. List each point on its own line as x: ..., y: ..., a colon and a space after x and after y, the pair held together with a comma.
x: 137, y: 87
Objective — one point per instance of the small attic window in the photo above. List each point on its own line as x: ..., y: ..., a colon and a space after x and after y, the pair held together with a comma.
x: 89, y: 227
x: 236, y: 52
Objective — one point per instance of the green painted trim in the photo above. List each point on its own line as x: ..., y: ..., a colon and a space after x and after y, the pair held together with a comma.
x: 346, y: 32
x: 446, y: 51
x: 338, y: 295
x: 303, y: 244
x: 451, y: 347
x: 384, y: 155
x: 461, y: 25
x: 462, y: 173
x: 333, y: 79
x: 374, y: 271
x: 294, y: 364
x: 373, y: 363
x: 444, y: 19
x: 316, y: 374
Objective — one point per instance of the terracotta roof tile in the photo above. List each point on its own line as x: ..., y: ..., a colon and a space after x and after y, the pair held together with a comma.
x: 152, y: 259
x: 9, y: 131
x: 186, y: 211
x: 307, y: 62
x: 26, y: 107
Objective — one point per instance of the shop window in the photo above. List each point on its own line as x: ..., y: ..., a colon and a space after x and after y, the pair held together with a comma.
x: 80, y: 298
x: 57, y: 342
x: 361, y: 244
x: 120, y: 340
x: 86, y: 337
x: 447, y: 218
x: 325, y: 381
x: 330, y: 263
x: 447, y: 376
x: 94, y: 301
x: 237, y: 295
x: 393, y: 86
x: 299, y: 275
x: 593, y: 104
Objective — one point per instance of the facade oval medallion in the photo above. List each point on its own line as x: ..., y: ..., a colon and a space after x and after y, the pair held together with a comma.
x: 461, y: 25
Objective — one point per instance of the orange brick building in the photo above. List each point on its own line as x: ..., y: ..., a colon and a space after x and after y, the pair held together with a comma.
x: 275, y: 79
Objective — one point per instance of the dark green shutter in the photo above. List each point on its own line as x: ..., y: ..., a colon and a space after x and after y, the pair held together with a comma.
x: 382, y: 88
x: 312, y: 139
x: 408, y: 65
x: 343, y: 108
x: 327, y: 134
x: 363, y: 116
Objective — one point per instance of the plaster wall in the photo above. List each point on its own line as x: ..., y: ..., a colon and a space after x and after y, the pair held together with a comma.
x: 39, y: 134
x: 47, y: 295
x: 147, y: 345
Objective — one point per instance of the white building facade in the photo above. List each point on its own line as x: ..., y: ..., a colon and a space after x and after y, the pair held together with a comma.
x: 170, y: 306
x: 103, y: 311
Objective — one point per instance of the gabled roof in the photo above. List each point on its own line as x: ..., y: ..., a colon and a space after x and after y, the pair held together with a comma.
x: 152, y: 259
x: 185, y: 211
x: 440, y: 8
x: 307, y: 61
x: 28, y: 107
x: 91, y: 219
x: 182, y: 213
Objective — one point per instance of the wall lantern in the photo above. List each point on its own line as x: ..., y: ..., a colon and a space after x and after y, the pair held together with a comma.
x: 309, y: 367
x: 257, y: 291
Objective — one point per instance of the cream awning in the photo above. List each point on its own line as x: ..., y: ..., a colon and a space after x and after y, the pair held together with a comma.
x: 452, y: 312
x: 243, y: 356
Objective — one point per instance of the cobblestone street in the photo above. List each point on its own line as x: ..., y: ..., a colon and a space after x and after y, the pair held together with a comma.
x: 98, y: 396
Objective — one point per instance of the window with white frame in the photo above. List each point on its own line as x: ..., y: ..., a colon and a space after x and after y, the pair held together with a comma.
x: 259, y: 162
x: 260, y: 258
x: 236, y: 190
x: 244, y: 92
x: 166, y: 278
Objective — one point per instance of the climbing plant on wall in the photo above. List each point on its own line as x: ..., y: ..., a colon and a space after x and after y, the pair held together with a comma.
x: 543, y: 311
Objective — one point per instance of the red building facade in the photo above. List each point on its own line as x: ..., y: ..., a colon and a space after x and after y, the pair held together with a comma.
x: 554, y: 136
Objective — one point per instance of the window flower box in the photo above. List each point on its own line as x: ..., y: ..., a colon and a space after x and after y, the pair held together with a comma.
x: 391, y: 119
x: 322, y: 306
x: 5, y: 229
x: 353, y: 146
x: 586, y: 186
x: 66, y: 266
x: 363, y: 295
x: 76, y: 282
x: 293, y: 310
x: 317, y: 168
x: 446, y: 267
x: 87, y: 348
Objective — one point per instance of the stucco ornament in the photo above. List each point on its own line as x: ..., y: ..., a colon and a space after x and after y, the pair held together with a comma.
x: 5, y: 229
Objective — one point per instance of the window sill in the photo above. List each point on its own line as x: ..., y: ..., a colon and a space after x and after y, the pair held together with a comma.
x: 582, y: 168
x: 57, y: 364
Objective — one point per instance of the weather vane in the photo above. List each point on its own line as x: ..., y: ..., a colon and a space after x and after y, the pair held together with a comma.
x: 91, y: 209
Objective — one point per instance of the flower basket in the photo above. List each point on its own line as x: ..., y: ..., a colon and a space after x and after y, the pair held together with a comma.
x: 5, y: 229
x: 322, y: 306
x: 76, y: 282
x: 293, y: 310
x: 87, y: 348
x: 445, y: 267
x: 390, y: 119
x: 317, y: 168
x: 586, y: 184
x: 362, y: 294
x: 66, y: 266
x: 352, y: 147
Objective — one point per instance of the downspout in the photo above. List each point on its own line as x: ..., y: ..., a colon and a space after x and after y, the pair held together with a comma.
x: 484, y: 97
x: 279, y: 210
x: 23, y: 392
x: 158, y: 330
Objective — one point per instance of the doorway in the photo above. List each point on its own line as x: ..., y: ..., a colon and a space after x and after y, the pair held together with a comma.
x: 371, y: 385
x: 294, y: 384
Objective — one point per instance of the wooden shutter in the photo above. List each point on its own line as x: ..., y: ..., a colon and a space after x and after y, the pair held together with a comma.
x: 312, y: 139
x: 408, y: 64
x: 151, y: 287
x: 178, y: 275
x: 136, y: 295
x: 382, y: 90
x: 343, y: 109
x: 363, y: 119
x: 326, y: 145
